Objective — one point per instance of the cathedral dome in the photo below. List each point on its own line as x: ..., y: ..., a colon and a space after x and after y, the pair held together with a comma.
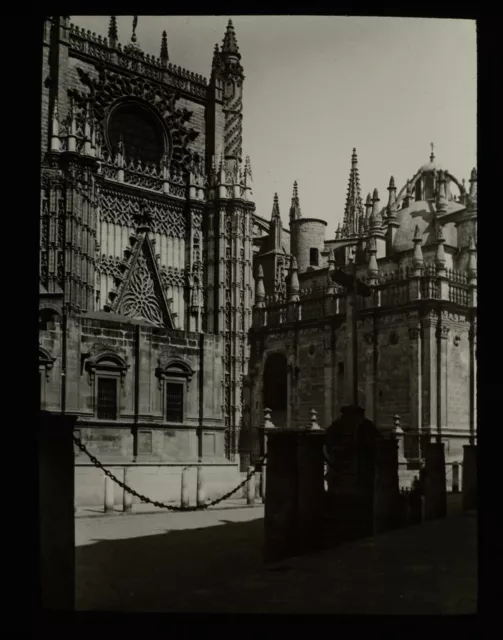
x: 431, y: 166
x: 422, y: 214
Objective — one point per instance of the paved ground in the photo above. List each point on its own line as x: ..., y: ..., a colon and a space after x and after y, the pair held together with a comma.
x: 212, y: 562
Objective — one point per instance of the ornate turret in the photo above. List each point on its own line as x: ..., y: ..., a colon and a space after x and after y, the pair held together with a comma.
x: 354, y: 207
x: 295, y: 211
x: 164, y: 49
x: 441, y: 201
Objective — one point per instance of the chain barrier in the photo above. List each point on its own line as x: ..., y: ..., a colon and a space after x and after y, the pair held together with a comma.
x: 161, y: 505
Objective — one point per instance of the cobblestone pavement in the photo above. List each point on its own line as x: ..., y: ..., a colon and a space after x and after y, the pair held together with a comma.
x: 212, y: 562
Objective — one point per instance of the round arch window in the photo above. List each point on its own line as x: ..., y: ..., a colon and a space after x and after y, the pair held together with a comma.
x: 142, y: 133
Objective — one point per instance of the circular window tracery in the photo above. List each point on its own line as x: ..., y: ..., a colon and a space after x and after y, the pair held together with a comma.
x: 142, y: 134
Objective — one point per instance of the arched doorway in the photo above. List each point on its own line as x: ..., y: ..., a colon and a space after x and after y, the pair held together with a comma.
x: 275, y: 388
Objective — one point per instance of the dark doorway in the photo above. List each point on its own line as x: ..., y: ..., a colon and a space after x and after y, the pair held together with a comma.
x: 275, y: 388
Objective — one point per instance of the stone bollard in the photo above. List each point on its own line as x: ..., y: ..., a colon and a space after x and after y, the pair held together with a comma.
x: 127, y: 498
x: 201, y: 496
x: 185, y: 487
x: 435, y: 489
x: 250, y: 488
x: 469, y: 477
x: 109, y: 494
x: 268, y: 424
x: 455, y: 477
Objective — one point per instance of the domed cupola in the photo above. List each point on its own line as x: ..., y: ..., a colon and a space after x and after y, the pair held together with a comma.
x: 425, y: 184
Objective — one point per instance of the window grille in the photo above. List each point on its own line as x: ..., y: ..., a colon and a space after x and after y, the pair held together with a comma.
x: 107, y: 399
x: 174, y: 402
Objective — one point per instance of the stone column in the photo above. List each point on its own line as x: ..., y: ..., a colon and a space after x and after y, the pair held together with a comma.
x: 428, y: 377
x: 386, y: 491
x: 281, y: 505
x: 435, y: 490
x: 469, y: 477
x: 415, y: 384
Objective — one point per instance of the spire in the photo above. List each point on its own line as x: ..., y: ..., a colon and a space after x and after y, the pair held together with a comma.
x: 440, y: 254
x: 293, y: 281
x: 259, y: 288
x: 432, y: 155
x: 354, y: 207
x: 391, y: 208
x: 295, y: 212
x: 113, y: 34
x: 373, y: 269
x: 275, y: 226
x: 135, y: 24
x: 338, y: 231
x: 230, y: 44
x: 164, y: 48
x: 472, y: 260
x: 417, y: 259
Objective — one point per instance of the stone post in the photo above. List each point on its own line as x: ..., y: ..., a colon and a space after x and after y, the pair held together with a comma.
x: 200, y: 496
x: 56, y: 530
x: 455, y: 477
x: 311, y: 489
x: 185, y: 501
x: 109, y: 494
x: 250, y: 488
x: 386, y: 490
x: 469, y: 477
x: 127, y: 498
x: 280, y: 513
x: 435, y: 494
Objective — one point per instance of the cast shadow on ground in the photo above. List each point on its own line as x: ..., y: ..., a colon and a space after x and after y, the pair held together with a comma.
x: 158, y: 572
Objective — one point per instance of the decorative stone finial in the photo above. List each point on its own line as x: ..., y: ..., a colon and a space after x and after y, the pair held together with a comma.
x: 397, y: 429
x: 375, y: 217
x: 275, y: 207
x: 432, y: 155
x: 135, y: 24
x: 354, y: 207
x: 113, y: 33
x: 267, y: 419
x: 293, y: 287
x: 391, y: 208
x: 441, y: 193
x: 295, y: 212
x: 164, y: 47
x: 373, y: 268
x: 314, y: 426
x: 259, y: 288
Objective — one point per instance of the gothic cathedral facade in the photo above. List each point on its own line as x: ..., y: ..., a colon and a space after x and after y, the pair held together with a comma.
x: 176, y: 323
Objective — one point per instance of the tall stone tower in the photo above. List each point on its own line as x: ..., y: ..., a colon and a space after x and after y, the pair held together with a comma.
x: 229, y: 231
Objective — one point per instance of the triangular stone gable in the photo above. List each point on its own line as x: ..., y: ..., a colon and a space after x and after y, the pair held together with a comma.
x: 140, y: 294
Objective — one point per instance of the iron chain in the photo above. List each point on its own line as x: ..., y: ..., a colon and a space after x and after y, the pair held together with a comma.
x: 155, y: 503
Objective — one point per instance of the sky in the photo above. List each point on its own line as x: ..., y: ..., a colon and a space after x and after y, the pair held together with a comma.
x: 317, y: 86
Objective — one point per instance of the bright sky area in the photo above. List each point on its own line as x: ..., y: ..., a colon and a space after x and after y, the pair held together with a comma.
x: 317, y: 86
